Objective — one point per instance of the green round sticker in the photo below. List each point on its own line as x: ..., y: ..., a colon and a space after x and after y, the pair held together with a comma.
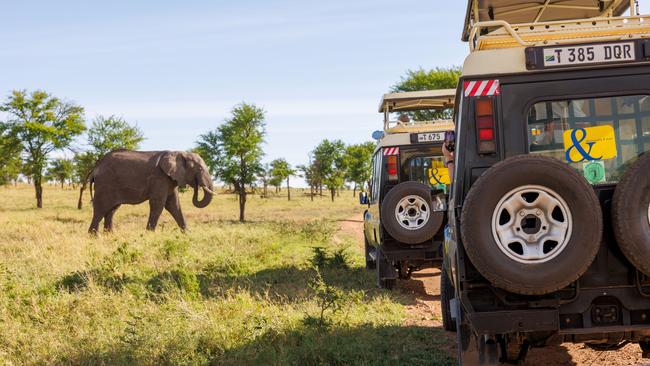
x: 595, y: 172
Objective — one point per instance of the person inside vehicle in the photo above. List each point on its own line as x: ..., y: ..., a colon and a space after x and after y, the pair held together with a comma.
x: 449, y: 160
x: 404, y: 118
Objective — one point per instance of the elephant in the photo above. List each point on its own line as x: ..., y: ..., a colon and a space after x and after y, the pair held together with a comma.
x: 132, y: 177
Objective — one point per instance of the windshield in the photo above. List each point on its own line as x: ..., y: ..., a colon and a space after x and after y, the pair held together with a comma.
x: 599, y: 137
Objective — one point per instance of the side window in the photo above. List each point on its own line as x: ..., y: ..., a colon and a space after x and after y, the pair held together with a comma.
x: 599, y: 137
x: 376, y: 176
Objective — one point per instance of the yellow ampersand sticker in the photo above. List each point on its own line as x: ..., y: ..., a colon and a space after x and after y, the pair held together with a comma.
x: 590, y: 144
x: 439, y: 176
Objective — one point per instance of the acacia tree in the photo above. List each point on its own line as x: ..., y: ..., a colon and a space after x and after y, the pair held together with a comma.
x: 308, y: 172
x: 329, y: 158
x: 358, y: 161
x: 280, y: 171
x: 237, y: 150
x: 42, y: 123
x: 420, y: 80
x: 112, y: 133
x: 265, y: 176
x: 60, y: 170
x: 105, y: 135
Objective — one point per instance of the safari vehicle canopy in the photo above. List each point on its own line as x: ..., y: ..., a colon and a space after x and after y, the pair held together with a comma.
x: 441, y: 100
x: 522, y: 12
x: 496, y: 24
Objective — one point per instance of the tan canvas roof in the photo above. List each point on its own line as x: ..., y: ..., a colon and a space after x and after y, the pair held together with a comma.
x: 529, y: 11
x: 411, y: 101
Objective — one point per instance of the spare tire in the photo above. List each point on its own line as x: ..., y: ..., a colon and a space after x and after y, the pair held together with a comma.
x: 531, y: 225
x: 631, y: 214
x: 408, y: 215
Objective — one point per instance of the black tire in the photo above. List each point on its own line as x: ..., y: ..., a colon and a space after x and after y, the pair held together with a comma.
x: 447, y: 292
x: 561, y: 268
x: 385, y: 271
x: 391, y: 224
x: 630, y: 214
x: 371, y: 263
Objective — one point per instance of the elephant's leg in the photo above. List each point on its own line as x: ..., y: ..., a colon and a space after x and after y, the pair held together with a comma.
x: 94, y: 224
x: 100, y: 207
x: 156, y: 206
x: 108, y: 219
x: 173, y: 205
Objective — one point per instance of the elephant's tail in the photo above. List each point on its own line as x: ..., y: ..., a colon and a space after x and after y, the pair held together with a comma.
x: 90, y: 179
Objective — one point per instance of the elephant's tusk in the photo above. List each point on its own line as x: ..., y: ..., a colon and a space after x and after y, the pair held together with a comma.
x: 208, y: 190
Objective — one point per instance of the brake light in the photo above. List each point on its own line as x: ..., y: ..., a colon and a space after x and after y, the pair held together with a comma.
x: 392, y: 168
x: 484, y: 111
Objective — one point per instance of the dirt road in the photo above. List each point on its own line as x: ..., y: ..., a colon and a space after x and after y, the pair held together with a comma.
x: 425, y: 287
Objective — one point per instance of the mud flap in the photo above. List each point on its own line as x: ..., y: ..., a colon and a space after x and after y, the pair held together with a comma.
x: 472, y: 348
x: 386, y: 271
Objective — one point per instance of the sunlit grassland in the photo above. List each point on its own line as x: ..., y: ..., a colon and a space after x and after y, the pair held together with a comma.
x: 222, y: 293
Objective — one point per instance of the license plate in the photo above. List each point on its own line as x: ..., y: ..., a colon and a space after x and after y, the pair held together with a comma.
x: 589, y: 54
x: 429, y: 137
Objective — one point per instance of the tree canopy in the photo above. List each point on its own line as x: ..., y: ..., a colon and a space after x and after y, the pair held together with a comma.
x: 60, y: 170
x: 234, y: 150
x: 111, y: 133
x: 42, y: 124
x: 420, y: 80
x: 358, y: 160
x: 281, y: 170
x: 329, y: 160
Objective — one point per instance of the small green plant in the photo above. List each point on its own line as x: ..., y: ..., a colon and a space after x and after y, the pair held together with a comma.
x: 329, y: 299
x: 322, y: 259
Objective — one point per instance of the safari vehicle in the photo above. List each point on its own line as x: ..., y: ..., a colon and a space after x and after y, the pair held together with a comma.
x: 407, y: 199
x: 549, y: 230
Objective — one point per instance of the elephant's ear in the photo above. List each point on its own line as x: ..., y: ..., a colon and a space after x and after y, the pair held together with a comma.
x: 173, y: 164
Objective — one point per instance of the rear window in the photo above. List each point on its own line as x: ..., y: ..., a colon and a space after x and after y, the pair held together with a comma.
x: 599, y: 137
x: 425, y: 166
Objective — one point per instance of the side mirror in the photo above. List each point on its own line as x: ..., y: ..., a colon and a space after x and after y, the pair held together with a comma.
x: 363, y: 198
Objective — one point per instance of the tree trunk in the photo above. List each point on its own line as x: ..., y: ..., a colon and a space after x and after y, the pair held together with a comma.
x: 354, y: 191
x: 311, y: 193
x: 62, y: 184
x: 39, y: 192
x: 288, y: 190
x: 333, y: 192
x: 242, y: 203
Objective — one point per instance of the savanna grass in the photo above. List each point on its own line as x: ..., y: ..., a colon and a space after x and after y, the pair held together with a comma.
x: 222, y: 293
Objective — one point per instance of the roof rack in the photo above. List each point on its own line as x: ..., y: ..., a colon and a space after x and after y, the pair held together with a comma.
x: 500, y: 34
x: 536, y: 11
x: 413, y: 101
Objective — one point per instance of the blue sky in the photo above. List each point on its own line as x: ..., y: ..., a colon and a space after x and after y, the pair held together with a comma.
x: 176, y: 68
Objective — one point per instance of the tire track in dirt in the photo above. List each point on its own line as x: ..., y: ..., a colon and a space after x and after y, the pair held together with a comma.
x: 426, y: 312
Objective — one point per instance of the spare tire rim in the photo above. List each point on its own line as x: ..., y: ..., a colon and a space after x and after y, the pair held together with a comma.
x: 532, y: 224
x: 412, y: 212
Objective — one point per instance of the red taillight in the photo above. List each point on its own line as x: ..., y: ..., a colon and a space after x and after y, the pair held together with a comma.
x: 391, y: 167
x: 484, y: 111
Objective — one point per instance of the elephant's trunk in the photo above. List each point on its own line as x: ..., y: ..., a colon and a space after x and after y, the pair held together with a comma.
x: 207, y: 197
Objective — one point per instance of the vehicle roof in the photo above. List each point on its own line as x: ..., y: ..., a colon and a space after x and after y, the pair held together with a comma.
x: 533, y: 11
x: 411, y: 101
